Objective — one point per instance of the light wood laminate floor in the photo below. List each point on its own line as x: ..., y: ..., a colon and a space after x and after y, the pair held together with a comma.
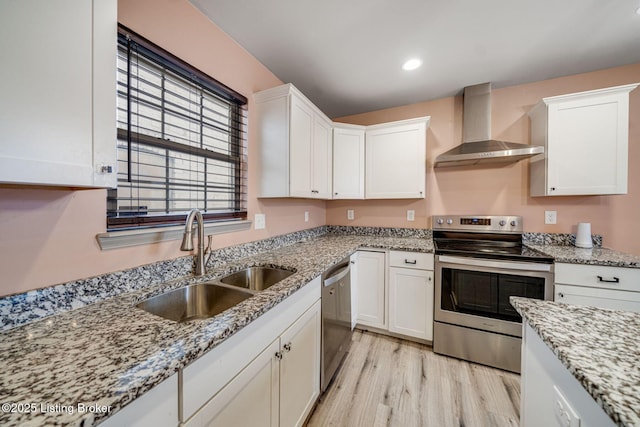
x: 386, y: 381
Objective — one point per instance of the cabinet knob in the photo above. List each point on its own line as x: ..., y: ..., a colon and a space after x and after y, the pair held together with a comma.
x: 287, y: 347
x: 560, y: 294
x: 553, y: 189
x: 279, y: 355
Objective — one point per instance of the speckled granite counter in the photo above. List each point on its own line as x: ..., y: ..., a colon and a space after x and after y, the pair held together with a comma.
x: 599, y: 347
x: 109, y: 353
x: 594, y: 256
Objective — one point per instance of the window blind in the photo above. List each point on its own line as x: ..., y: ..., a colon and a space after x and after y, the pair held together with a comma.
x: 181, y: 141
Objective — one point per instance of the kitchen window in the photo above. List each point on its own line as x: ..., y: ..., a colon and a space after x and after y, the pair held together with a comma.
x: 181, y: 141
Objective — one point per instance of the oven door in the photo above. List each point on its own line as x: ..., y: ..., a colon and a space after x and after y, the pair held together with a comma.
x: 474, y: 292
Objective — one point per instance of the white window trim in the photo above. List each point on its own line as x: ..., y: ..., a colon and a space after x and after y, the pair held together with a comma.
x: 145, y: 236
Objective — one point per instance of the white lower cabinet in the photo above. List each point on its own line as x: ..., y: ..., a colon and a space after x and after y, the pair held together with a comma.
x: 615, y: 288
x: 250, y: 399
x: 550, y: 395
x: 411, y: 294
x: 401, y: 305
x: 370, y: 284
x: 603, y: 298
x: 300, y: 368
x: 411, y: 302
x: 278, y: 388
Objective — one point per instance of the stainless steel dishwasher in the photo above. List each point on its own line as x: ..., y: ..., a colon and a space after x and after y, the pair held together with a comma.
x: 336, y: 319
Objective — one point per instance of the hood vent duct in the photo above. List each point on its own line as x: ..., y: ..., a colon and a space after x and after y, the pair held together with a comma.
x: 477, y: 145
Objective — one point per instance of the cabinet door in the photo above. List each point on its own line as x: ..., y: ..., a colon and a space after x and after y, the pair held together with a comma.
x: 593, y: 134
x: 300, y: 148
x: 603, y: 298
x: 321, y: 158
x: 300, y: 368
x: 411, y: 302
x: 348, y: 163
x: 396, y: 162
x: 586, y: 143
x: 250, y: 399
x: 370, y: 285
x: 58, y: 85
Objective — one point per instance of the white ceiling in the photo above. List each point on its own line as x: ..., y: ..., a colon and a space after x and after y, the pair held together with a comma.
x: 346, y: 55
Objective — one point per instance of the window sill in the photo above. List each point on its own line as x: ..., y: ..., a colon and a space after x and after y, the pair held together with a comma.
x: 126, y: 238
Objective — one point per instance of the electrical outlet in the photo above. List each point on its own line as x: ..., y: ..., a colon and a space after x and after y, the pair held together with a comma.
x: 306, y: 216
x: 565, y: 414
x: 550, y: 217
x: 350, y: 214
x: 411, y: 215
x: 259, y: 221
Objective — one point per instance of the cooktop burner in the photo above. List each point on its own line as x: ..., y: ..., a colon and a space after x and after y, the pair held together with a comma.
x: 497, y: 237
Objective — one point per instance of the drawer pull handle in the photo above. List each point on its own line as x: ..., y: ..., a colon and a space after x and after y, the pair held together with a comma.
x: 614, y: 280
x: 410, y: 261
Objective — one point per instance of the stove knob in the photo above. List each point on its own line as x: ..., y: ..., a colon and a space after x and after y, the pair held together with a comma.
x: 514, y: 223
x: 449, y: 221
x: 503, y: 223
x: 440, y: 221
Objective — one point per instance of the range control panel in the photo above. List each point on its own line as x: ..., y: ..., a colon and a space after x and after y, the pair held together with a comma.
x: 479, y: 223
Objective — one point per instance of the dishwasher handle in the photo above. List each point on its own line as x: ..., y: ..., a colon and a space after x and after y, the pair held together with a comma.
x: 337, y: 275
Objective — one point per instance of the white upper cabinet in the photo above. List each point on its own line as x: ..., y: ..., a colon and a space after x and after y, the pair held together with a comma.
x: 58, y: 85
x: 585, y: 136
x: 395, y: 163
x: 348, y: 161
x: 294, y: 139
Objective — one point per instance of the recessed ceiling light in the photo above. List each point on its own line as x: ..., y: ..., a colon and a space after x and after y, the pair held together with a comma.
x: 411, y: 64
x: 638, y: 11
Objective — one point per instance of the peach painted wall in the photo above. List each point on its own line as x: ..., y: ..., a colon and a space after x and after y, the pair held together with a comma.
x: 48, y: 235
x: 504, y: 190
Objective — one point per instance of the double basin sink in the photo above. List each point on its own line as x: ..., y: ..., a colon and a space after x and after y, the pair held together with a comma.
x: 205, y: 300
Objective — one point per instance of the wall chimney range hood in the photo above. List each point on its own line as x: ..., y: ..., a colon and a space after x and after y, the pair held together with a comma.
x: 477, y: 146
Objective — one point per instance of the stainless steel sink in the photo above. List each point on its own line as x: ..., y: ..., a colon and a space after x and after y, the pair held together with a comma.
x: 199, y: 301
x: 256, y: 278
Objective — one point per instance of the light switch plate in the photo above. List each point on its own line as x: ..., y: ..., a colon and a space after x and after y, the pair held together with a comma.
x: 306, y: 216
x: 259, y: 221
x: 411, y: 215
x: 350, y: 214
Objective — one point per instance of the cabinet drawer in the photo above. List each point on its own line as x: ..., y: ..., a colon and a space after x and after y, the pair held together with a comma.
x: 603, y: 298
x: 597, y: 276
x: 417, y: 260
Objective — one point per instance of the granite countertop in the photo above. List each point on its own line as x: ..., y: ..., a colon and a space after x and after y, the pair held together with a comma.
x: 109, y: 353
x: 594, y: 256
x: 599, y: 347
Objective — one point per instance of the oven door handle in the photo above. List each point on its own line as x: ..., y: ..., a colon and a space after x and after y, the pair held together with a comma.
x: 511, y: 265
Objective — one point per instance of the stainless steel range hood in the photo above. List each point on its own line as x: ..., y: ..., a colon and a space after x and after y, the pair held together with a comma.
x: 477, y: 145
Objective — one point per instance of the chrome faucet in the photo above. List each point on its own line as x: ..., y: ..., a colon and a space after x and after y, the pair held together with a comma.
x: 187, y: 240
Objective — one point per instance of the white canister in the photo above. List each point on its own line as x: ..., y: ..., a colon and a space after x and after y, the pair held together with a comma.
x: 583, y: 236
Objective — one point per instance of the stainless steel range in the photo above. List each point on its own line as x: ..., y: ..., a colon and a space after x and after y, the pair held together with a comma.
x: 480, y: 263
